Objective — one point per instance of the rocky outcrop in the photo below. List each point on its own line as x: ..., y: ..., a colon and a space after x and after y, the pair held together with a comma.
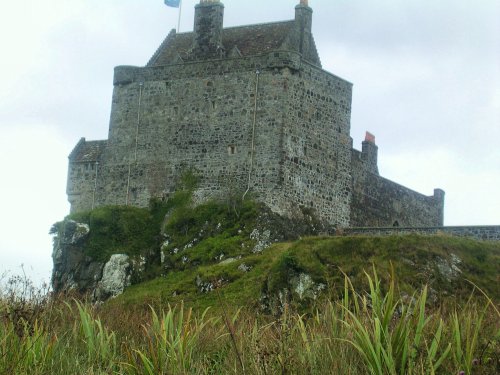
x: 298, y: 288
x: 98, y: 260
x: 74, y: 271
x: 115, y: 277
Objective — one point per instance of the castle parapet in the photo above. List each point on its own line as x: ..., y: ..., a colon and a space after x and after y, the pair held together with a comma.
x: 125, y: 74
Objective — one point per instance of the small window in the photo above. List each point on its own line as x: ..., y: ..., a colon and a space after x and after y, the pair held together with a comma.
x: 395, y: 224
x: 231, y: 149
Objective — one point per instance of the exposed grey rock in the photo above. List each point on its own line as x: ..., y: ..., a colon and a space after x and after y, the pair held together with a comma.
x: 57, y: 254
x: 228, y: 261
x: 244, y: 268
x: 262, y: 239
x: 302, y: 285
x: 305, y: 287
x: 207, y: 286
x: 204, y: 286
x: 81, y: 231
x: 72, y: 232
x: 139, y: 264
x: 449, y: 269
x: 73, y: 270
x: 115, y: 277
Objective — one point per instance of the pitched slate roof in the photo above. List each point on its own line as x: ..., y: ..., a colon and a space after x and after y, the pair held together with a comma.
x: 86, y: 152
x: 249, y: 40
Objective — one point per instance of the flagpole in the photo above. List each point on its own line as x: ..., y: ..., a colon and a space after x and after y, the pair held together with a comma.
x: 179, y: 20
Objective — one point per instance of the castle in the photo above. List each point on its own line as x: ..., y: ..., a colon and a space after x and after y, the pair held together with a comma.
x: 250, y: 109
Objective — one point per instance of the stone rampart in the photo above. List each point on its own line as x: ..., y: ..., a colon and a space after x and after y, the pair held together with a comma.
x: 483, y: 232
x: 379, y: 202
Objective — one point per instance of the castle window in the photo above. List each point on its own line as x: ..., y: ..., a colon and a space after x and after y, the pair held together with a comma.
x: 231, y: 149
x: 395, y: 224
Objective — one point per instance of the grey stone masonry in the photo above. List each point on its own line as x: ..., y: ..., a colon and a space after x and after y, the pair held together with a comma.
x: 250, y: 110
x: 208, y: 25
x: 485, y: 232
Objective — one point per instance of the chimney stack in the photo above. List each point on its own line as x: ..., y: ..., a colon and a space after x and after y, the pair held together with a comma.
x: 208, y: 25
x: 369, y: 152
x: 303, y: 25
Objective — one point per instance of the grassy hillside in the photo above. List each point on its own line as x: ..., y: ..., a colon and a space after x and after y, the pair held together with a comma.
x: 231, y: 288
x: 450, y: 266
x: 255, y: 258
x: 377, y: 331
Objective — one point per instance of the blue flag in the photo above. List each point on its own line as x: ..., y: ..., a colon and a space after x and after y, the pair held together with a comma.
x: 173, y: 3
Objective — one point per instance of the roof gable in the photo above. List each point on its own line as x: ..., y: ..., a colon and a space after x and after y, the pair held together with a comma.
x: 87, y: 151
x: 249, y: 40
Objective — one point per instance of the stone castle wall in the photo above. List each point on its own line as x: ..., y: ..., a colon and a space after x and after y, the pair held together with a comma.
x: 80, y: 186
x: 200, y: 115
x: 485, y: 232
x: 165, y: 120
x: 317, y: 144
x: 265, y: 119
x: 379, y: 202
x: 196, y: 115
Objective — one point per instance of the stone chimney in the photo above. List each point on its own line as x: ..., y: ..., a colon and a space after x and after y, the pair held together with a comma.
x: 208, y: 25
x: 303, y: 25
x: 369, y: 152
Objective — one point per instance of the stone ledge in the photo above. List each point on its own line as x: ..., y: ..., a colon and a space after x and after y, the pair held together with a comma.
x: 479, y: 232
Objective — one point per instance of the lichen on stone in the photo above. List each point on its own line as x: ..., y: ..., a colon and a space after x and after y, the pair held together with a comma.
x: 115, y: 277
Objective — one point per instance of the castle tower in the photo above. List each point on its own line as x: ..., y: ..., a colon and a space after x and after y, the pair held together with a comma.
x: 208, y: 25
x: 281, y: 132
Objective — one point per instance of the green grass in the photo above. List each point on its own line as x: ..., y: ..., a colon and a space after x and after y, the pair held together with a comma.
x: 199, y: 312
x: 325, y: 260
x: 197, y: 241
x: 118, y: 230
x: 237, y: 287
x: 379, y: 332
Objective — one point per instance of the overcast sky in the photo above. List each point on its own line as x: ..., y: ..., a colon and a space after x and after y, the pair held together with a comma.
x: 426, y: 82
